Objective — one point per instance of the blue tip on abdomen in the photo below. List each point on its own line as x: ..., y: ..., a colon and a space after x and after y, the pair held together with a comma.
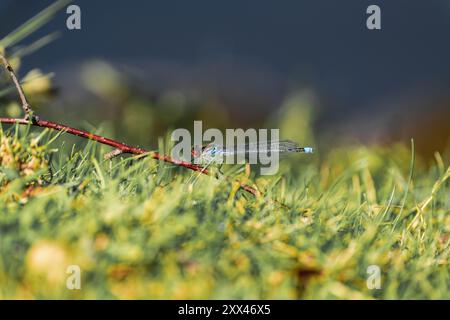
x: 309, y: 150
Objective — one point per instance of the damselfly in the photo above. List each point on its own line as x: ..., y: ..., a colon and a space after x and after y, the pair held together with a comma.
x: 214, y: 153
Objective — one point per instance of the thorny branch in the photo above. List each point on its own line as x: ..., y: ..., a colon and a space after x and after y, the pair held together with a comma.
x: 31, y: 119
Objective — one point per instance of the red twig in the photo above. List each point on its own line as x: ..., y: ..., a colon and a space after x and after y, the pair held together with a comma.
x: 124, y: 148
x: 113, y: 143
x: 31, y: 119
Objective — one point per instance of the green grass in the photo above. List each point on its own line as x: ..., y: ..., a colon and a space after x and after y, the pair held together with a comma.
x: 138, y: 229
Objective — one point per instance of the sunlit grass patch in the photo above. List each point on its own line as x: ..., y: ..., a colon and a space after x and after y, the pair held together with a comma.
x: 137, y: 229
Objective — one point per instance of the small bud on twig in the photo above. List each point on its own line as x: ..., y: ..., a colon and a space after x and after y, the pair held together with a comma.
x: 112, y: 154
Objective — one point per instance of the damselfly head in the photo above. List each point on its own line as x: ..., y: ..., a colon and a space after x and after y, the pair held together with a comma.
x: 206, y: 150
x: 207, y: 154
x: 211, y: 149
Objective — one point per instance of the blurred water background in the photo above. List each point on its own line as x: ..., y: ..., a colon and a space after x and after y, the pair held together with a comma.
x: 140, y: 68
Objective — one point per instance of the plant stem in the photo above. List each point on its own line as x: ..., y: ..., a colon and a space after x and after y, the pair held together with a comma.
x: 25, y: 105
x: 124, y: 148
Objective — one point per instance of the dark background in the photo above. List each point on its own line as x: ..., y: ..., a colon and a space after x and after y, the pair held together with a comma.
x: 378, y: 86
